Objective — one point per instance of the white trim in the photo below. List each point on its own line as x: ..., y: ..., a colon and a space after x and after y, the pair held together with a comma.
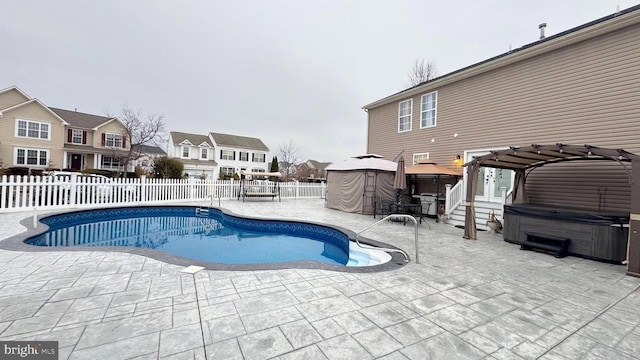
x: 107, y: 122
x: 410, y: 115
x: 435, y: 109
x: 26, y: 136
x: 207, y: 154
x: 73, y: 132
x: 413, y: 157
x: 114, y: 140
x: 204, y: 144
x: 39, y: 103
x: 185, y: 142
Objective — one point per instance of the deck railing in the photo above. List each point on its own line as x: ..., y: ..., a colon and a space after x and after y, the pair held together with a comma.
x: 21, y: 193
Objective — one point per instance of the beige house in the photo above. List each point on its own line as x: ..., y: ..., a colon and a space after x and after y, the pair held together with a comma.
x: 576, y: 87
x: 35, y: 136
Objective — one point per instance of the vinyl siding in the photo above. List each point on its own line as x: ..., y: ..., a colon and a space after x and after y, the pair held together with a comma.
x: 35, y: 112
x: 11, y: 98
x: 585, y: 93
x: 113, y: 127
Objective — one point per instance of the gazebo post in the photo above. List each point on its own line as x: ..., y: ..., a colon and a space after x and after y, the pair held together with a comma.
x: 470, y: 231
x: 633, y: 260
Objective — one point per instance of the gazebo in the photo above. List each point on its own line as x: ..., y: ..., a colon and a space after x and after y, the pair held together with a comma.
x: 524, y: 159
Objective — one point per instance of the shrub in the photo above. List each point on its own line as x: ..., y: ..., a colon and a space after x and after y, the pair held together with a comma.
x: 168, y: 168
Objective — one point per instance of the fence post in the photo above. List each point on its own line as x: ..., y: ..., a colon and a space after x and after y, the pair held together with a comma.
x: 143, y: 188
x: 73, y: 189
x: 323, y: 190
x: 297, y: 189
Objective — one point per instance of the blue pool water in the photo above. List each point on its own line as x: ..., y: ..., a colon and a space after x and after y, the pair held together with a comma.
x: 213, y: 237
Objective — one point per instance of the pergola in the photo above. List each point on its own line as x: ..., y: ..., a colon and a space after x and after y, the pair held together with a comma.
x: 524, y: 159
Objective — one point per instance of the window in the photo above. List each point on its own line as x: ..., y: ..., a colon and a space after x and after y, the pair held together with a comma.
x: 428, y: 110
x: 113, y: 140
x: 257, y: 170
x: 417, y: 158
x: 186, y: 152
x: 109, y: 162
x: 35, y: 157
x: 244, y: 156
x: 204, y: 153
x: 404, y: 115
x: 227, y: 171
x: 227, y: 155
x: 32, y: 129
x: 257, y: 157
x: 77, y: 136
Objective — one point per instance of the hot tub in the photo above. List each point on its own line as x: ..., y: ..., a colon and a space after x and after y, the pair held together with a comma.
x: 597, y: 235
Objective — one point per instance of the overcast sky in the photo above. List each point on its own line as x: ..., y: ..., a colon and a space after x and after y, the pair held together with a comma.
x: 276, y: 70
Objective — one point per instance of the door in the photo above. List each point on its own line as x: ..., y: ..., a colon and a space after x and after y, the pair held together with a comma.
x: 491, y: 182
x: 76, y: 161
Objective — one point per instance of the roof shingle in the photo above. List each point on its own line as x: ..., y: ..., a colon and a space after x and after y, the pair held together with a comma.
x: 236, y: 141
x: 83, y: 120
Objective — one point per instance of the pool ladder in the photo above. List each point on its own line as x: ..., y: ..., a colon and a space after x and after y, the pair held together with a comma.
x: 403, y: 216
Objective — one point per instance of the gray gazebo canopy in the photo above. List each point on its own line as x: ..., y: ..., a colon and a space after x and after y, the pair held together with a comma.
x: 523, y: 159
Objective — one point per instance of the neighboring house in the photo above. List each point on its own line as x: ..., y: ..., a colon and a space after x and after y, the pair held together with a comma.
x: 312, y: 170
x: 235, y: 153
x: 196, y: 152
x: 31, y: 134
x: 146, y: 156
x: 35, y: 136
x: 92, y: 141
x: 289, y: 171
x: 577, y: 87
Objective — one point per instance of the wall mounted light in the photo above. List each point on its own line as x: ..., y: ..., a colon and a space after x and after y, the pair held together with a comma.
x: 457, y: 161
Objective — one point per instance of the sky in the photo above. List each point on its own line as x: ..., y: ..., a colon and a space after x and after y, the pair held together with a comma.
x: 281, y: 71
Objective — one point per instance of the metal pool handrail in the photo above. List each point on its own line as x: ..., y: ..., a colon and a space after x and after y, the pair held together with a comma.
x: 405, y: 216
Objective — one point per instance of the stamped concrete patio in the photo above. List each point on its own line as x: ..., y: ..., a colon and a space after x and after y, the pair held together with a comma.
x: 481, y: 299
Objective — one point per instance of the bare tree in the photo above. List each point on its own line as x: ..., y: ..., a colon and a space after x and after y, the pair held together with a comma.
x: 421, y: 71
x: 139, y: 129
x: 289, y: 155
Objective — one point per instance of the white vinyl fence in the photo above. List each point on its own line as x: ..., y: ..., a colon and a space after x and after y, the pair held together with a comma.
x: 20, y: 193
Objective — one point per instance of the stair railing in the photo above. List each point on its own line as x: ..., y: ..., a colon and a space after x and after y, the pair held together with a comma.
x: 454, y: 197
x: 403, y: 216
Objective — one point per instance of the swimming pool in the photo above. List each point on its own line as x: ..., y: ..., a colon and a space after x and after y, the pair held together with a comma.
x: 211, y: 236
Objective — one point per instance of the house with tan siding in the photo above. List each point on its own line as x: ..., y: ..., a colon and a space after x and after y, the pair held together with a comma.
x: 38, y: 137
x: 576, y: 87
x: 31, y: 135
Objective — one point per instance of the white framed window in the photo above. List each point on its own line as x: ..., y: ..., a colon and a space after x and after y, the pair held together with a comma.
x: 32, y: 129
x: 417, y: 158
x: 258, y: 170
x: 204, y: 153
x: 428, y: 104
x: 260, y: 158
x: 405, y: 109
x: 186, y: 152
x: 76, y: 136
x: 35, y: 157
x: 110, y: 162
x: 112, y: 140
x: 227, y: 155
x: 228, y: 171
x: 244, y: 156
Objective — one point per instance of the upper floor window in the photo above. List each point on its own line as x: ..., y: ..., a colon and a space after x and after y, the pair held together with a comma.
x: 428, y: 110
x: 32, y: 129
x: 404, y: 115
x: 112, y: 140
x: 186, y: 152
x: 417, y: 158
x: 257, y: 157
x: 36, y: 157
x: 77, y: 136
x: 227, y: 155
x: 204, y: 154
x: 244, y: 156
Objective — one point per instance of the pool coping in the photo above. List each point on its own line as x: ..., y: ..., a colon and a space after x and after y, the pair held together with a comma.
x: 17, y: 243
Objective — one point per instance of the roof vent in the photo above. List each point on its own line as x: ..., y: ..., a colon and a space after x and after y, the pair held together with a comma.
x: 542, y: 27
